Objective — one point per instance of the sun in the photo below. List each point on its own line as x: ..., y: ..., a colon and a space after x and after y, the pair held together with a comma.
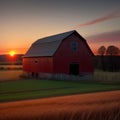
x: 12, y: 53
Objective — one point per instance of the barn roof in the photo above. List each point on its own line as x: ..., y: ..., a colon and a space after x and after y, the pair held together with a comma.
x: 47, y: 46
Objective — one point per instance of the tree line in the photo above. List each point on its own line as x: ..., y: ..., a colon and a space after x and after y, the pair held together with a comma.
x: 110, y: 50
x: 108, y: 59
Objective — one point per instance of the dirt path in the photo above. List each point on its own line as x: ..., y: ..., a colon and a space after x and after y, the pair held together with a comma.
x: 61, y: 107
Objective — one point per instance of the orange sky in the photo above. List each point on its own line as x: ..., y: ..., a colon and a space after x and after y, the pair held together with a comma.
x: 23, y: 22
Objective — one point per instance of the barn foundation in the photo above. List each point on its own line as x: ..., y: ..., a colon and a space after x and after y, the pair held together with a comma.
x: 85, y: 76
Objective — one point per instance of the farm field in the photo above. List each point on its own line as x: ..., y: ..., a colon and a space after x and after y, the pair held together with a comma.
x: 92, y: 106
x: 57, y: 100
x: 34, y: 88
x: 107, y: 77
x: 7, y: 75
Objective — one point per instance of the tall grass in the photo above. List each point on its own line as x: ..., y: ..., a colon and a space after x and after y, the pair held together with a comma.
x: 96, y: 106
x: 111, y: 112
x: 104, y: 76
x: 10, y: 75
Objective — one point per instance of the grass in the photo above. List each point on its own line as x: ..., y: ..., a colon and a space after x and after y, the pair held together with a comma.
x: 107, y: 77
x: 32, y: 88
x: 6, y: 75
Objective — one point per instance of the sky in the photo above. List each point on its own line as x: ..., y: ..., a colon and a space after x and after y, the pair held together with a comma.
x: 22, y: 22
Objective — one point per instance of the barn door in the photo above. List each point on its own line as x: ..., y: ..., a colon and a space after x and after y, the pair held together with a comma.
x: 74, y: 69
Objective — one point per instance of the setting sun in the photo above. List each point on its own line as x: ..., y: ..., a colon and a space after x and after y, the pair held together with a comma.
x: 12, y: 53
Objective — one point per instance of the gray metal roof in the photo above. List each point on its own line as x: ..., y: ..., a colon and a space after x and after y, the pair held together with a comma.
x: 47, y: 46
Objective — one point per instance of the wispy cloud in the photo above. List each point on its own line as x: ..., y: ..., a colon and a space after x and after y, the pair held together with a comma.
x: 112, y: 36
x: 98, y: 20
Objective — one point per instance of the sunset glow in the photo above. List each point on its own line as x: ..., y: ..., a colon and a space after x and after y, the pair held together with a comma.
x: 12, y: 53
x: 23, y: 22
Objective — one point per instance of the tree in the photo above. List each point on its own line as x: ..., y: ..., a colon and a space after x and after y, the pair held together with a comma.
x: 112, y: 50
x: 101, y: 52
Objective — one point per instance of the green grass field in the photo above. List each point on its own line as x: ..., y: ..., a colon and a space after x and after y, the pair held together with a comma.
x: 29, y: 89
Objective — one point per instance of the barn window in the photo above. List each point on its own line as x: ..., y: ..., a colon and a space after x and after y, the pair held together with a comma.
x: 74, y: 46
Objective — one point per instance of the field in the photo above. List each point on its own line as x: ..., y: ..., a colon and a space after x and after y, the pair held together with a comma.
x: 33, y: 88
x: 107, y: 77
x: 59, y: 100
x: 13, y: 88
x: 6, y: 75
x: 93, y: 106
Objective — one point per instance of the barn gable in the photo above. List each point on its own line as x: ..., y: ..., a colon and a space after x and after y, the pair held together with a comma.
x: 47, y: 46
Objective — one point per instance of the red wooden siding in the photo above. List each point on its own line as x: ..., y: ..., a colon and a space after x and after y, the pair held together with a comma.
x: 40, y: 64
x: 65, y: 56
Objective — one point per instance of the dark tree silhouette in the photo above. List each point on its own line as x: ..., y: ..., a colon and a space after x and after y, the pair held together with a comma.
x: 101, y: 52
x: 111, y: 52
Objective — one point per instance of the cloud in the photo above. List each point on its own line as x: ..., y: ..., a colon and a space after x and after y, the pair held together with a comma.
x: 98, y: 20
x: 113, y: 36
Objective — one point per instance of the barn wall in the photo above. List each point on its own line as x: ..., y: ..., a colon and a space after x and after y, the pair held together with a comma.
x: 41, y: 64
x: 64, y: 56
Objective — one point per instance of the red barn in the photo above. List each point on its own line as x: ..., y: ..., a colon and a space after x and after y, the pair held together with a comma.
x: 61, y: 55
